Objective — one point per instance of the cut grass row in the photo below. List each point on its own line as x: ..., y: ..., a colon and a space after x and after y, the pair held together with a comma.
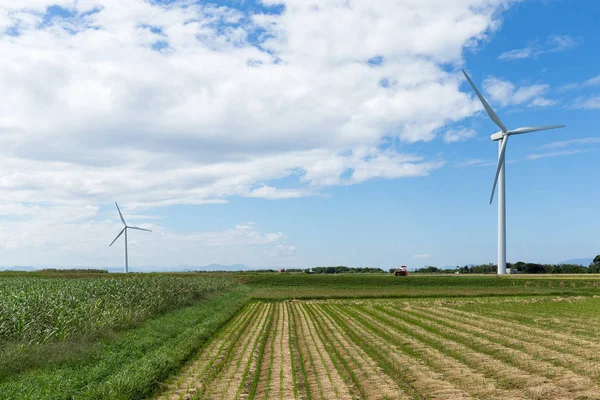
x: 393, y: 349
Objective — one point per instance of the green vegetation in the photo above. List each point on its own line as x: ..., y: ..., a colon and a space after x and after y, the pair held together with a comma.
x: 81, y: 271
x: 93, y: 335
x: 37, y: 310
x: 520, y: 267
x: 340, y: 269
x: 118, y: 365
x: 305, y: 286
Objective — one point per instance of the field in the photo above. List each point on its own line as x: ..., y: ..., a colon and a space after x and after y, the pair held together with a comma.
x: 298, y: 336
x: 516, y: 348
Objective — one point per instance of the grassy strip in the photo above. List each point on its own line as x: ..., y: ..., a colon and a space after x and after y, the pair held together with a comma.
x: 323, y: 293
x: 387, y: 280
x: 130, y: 365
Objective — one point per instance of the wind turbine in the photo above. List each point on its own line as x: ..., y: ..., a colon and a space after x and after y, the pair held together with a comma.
x: 502, y: 138
x: 125, y: 230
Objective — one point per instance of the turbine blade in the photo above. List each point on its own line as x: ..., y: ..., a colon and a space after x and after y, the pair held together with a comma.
x: 527, y: 129
x: 120, y: 233
x: 139, y: 229
x: 120, y: 215
x: 487, y: 107
x: 499, y: 167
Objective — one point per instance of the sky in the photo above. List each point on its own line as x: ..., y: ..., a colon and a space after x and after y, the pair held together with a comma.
x: 295, y: 133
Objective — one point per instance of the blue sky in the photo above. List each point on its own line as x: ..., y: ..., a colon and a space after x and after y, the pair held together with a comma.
x: 282, y: 133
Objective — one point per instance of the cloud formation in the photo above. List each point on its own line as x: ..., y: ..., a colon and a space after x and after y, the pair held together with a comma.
x: 159, y: 103
x: 506, y: 93
x: 459, y: 135
x: 553, y: 44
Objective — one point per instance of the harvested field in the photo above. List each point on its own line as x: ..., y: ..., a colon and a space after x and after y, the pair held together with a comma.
x: 476, y: 348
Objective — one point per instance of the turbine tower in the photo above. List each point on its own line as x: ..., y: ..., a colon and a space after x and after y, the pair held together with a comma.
x: 125, y: 230
x: 502, y: 138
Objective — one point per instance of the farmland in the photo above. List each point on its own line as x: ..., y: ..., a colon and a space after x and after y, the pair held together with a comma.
x: 119, y: 335
x: 515, y: 348
x: 283, y: 336
x: 37, y: 310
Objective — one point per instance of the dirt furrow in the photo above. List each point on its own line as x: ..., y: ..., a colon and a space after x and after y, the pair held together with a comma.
x: 227, y: 381
x: 189, y: 379
x: 409, y: 372
x: 545, y: 378
x: 374, y: 382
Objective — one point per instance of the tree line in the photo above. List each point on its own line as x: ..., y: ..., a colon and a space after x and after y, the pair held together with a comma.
x: 520, y: 267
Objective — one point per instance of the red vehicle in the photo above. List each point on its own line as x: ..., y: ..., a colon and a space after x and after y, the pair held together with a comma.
x: 401, y: 271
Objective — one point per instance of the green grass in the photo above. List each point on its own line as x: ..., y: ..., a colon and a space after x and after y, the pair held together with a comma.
x: 304, y: 286
x: 124, y: 365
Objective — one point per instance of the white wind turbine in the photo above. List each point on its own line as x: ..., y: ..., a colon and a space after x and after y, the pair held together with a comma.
x: 502, y: 138
x: 125, y: 230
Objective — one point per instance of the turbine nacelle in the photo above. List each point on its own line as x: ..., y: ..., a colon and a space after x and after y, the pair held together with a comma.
x: 498, y: 135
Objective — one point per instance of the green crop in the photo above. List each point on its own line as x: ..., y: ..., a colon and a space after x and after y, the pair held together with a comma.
x: 37, y: 310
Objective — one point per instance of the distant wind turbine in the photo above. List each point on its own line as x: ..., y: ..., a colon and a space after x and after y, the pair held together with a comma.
x: 125, y: 230
x: 502, y: 138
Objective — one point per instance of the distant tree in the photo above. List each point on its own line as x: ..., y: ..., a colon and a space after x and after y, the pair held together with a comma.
x: 595, y: 266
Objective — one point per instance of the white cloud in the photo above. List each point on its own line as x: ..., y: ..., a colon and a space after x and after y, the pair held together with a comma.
x: 79, y: 236
x: 506, y: 93
x: 421, y: 256
x: 477, y: 161
x: 593, y: 81
x: 572, y: 142
x: 537, y: 156
x: 282, y: 251
x: 156, y: 104
x: 553, y: 44
x: 459, y: 135
x: 586, y: 103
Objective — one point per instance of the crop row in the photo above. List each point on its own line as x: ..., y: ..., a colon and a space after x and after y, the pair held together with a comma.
x: 37, y: 310
x: 390, y: 349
